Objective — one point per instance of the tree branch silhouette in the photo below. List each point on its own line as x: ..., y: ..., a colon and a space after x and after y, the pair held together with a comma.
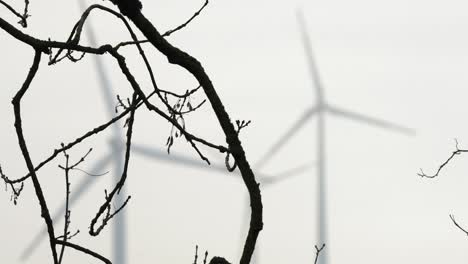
x: 27, y: 158
x: 456, y: 152
x: 173, y: 113
x: 317, y: 252
x: 457, y: 225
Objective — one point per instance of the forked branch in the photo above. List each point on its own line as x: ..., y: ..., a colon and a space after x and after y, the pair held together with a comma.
x: 456, y: 152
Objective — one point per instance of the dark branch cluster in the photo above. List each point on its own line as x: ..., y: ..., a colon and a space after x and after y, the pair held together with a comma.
x: 67, y: 235
x: 176, y: 106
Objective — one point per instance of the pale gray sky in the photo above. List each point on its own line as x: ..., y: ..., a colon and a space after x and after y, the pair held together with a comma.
x: 402, y: 61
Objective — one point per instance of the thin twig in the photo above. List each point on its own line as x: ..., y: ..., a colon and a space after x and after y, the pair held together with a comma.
x: 67, y: 211
x: 23, y: 17
x: 454, y: 153
x: 78, y: 140
x: 169, y: 32
x: 16, y: 191
x: 67, y: 168
x: 457, y: 225
x: 191, y: 138
x: 317, y: 252
x: 196, y: 255
x: 106, y: 205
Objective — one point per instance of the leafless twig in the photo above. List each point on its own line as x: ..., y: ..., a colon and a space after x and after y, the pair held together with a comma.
x: 167, y: 33
x: 457, y: 225
x: 105, y: 207
x: 317, y: 252
x: 23, y: 17
x: 458, y: 151
x: 67, y: 168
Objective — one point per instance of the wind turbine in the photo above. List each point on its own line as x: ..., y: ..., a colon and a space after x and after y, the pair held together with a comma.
x: 320, y: 109
x: 115, y: 155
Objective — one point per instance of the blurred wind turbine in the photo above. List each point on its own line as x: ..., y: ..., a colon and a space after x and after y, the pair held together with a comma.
x: 320, y: 109
x: 116, y: 154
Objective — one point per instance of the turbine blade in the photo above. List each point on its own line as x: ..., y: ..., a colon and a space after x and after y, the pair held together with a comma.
x: 286, y: 137
x: 82, y: 186
x: 285, y: 175
x: 315, y: 76
x: 177, y: 159
x: 369, y: 120
x: 157, y: 154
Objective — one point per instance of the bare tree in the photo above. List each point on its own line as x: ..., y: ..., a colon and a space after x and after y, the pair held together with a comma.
x: 175, y: 107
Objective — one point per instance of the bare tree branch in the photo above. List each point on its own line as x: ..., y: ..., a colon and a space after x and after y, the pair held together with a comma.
x: 106, y: 206
x: 23, y: 17
x: 454, y: 153
x: 27, y: 158
x: 169, y: 32
x: 189, y: 63
x: 457, y: 225
x: 84, y: 250
x: 58, y: 51
x: 317, y: 252
x: 78, y: 140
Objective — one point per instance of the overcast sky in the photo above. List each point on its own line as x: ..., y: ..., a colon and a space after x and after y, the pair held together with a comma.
x: 400, y: 61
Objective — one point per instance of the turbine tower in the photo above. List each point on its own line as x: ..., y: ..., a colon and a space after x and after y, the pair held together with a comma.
x: 320, y: 109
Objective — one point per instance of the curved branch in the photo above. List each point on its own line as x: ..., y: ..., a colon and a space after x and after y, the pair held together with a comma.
x: 27, y: 158
x: 76, y: 35
x: 84, y: 250
x: 189, y: 63
x: 120, y: 184
x: 43, y: 45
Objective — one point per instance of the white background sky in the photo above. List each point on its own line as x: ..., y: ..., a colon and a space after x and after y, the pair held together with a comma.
x: 402, y: 61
